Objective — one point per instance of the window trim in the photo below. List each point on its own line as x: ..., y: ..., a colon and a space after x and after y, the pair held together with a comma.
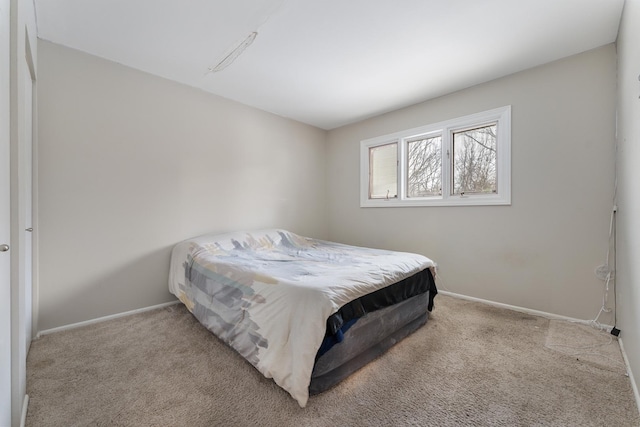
x: 446, y: 128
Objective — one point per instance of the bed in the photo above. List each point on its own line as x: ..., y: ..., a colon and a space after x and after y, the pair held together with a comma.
x: 303, y: 311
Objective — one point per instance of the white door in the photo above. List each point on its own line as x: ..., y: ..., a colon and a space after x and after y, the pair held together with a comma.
x: 5, y: 261
x: 27, y: 174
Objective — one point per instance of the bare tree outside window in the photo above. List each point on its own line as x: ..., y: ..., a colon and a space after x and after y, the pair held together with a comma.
x: 424, y: 169
x: 474, y: 160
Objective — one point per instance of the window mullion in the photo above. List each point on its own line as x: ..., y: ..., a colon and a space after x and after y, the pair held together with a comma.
x: 402, y: 168
x: 447, y: 153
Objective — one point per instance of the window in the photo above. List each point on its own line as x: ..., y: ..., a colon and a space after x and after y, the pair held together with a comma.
x: 383, y: 164
x: 464, y: 161
x: 474, y: 160
x: 424, y: 167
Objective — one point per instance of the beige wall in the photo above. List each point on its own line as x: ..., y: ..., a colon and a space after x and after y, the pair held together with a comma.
x: 628, y: 216
x: 130, y: 164
x: 541, y: 251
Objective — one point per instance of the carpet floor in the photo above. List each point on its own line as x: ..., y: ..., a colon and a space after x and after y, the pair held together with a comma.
x: 471, y: 365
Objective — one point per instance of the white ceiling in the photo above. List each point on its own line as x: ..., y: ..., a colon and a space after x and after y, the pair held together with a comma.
x: 331, y: 62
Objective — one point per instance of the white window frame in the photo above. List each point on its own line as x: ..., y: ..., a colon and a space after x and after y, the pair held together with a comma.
x: 501, y: 115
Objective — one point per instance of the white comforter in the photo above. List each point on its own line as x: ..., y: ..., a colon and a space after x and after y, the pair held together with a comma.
x: 269, y: 293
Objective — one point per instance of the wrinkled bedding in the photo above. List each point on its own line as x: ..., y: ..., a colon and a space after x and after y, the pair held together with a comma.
x: 268, y: 294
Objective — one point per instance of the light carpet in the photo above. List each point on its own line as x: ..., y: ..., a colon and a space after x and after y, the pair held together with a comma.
x: 471, y: 364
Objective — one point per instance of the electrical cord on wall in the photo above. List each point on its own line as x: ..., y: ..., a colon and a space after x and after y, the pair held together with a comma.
x: 606, y: 273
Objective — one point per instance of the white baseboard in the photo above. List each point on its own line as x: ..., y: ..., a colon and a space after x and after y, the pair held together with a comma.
x: 636, y: 394
x: 104, y: 318
x: 522, y: 309
x: 25, y: 406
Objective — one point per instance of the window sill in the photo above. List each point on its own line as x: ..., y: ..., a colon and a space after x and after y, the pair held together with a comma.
x: 484, y: 200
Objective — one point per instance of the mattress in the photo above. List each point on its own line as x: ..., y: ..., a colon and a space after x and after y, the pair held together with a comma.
x: 371, y: 336
x: 269, y: 293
